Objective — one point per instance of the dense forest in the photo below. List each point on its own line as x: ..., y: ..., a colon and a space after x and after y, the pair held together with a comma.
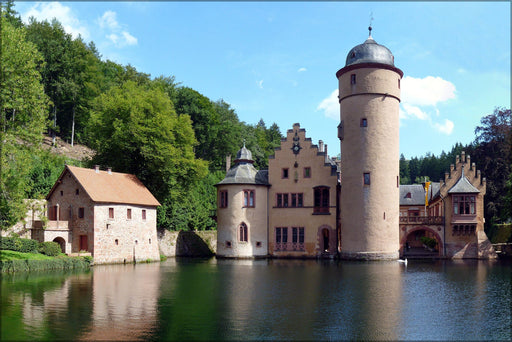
x: 173, y: 138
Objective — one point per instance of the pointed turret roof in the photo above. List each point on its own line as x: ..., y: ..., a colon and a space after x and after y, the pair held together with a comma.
x: 463, y: 186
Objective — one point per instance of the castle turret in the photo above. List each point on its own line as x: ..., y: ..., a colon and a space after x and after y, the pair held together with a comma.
x: 242, y: 210
x: 369, y: 96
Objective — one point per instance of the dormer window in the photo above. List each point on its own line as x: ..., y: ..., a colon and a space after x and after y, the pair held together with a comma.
x: 408, y: 195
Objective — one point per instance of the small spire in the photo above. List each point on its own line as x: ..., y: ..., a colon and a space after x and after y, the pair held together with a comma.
x: 370, y: 27
x: 244, y: 143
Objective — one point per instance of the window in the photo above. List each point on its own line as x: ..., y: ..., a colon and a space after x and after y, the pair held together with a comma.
x: 110, y: 213
x: 282, y: 200
x: 464, y: 205
x: 249, y: 198
x: 52, y: 213
x: 364, y: 122
x: 228, y: 244
x: 81, y: 213
x: 408, y: 195
x: 298, y: 238
x: 150, y: 241
x: 284, y: 173
x: 143, y: 214
x: 321, y: 199
x: 281, y: 238
x: 243, y: 236
x: 223, y: 194
x: 62, y: 193
x: 307, y: 172
x: 129, y: 214
x: 297, y: 200
x: 258, y: 244
x: 398, y: 83
x: 353, y: 79
x: 116, y: 241
x: 77, y: 192
x: 366, y: 178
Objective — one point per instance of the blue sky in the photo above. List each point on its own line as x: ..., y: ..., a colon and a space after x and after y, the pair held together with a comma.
x: 277, y: 60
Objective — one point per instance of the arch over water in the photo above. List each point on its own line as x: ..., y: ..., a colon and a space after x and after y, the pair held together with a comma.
x: 407, y: 241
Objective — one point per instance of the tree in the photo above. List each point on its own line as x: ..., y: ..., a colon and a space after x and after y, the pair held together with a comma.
x: 404, y: 170
x: 23, y: 105
x: 135, y: 130
x: 493, y: 156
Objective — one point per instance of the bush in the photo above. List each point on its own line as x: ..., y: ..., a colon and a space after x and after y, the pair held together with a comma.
x: 502, y: 234
x: 49, y: 248
x: 429, y: 242
x: 64, y: 263
x: 19, y: 245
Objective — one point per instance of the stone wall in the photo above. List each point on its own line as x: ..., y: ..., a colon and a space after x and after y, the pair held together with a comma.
x: 187, y: 243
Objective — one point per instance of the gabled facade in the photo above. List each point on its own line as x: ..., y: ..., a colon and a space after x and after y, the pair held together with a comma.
x: 108, y: 214
x: 452, y: 213
x: 288, y: 211
x: 302, y: 198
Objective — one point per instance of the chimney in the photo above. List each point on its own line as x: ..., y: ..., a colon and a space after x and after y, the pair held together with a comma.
x: 109, y: 170
x: 228, y: 162
x: 463, y: 157
x: 97, y: 168
x: 320, y: 146
x: 468, y: 159
x: 325, y: 150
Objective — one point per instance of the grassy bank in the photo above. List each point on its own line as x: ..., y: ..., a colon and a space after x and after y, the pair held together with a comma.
x: 11, y: 261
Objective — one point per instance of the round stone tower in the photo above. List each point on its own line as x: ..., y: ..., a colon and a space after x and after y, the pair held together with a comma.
x: 242, y: 210
x: 369, y: 96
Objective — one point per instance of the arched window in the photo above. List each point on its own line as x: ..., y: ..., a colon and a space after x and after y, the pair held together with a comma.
x: 243, y: 235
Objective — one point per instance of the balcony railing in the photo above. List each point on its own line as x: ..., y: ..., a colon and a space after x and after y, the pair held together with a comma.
x: 289, y: 246
x: 57, y: 225
x: 421, y: 220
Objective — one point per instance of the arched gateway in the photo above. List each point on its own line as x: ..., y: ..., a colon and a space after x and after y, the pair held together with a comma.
x: 413, y: 244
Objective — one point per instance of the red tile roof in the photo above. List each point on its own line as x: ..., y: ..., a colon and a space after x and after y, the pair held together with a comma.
x: 113, y: 187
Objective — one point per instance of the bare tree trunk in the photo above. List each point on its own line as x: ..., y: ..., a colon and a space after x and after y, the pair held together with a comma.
x: 54, y: 134
x: 73, y: 127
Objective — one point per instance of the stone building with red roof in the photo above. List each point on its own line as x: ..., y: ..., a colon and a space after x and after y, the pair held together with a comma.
x: 108, y: 214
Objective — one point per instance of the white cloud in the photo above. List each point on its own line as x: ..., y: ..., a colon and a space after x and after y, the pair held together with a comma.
x: 50, y: 10
x: 331, y: 106
x: 260, y: 84
x: 129, y: 39
x: 426, y: 91
x: 302, y: 70
x: 115, y: 32
x: 109, y: 20
x: 446, y: 128
x: 420, y: 97
x: 410, y: 110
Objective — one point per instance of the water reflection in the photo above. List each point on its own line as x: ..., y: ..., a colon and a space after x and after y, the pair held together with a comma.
x: 191, y: 299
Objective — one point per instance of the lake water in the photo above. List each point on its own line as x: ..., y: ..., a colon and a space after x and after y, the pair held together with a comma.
x: 194, y: 299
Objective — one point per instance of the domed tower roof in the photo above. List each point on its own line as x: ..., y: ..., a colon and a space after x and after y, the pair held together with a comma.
x: 243, y: 172
x: 370, y: 52
x: 244, y: 155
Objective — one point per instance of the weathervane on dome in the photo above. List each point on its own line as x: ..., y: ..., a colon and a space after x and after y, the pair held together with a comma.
x: 370, y: 27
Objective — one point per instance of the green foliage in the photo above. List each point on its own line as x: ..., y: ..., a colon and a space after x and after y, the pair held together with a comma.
x: 429, y: 242
x: 49, y: 248
x: 23, y: 106
x: 19, y: 245
x: 503, y: 233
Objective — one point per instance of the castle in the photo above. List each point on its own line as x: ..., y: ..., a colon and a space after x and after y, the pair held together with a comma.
x: 310, y: 205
